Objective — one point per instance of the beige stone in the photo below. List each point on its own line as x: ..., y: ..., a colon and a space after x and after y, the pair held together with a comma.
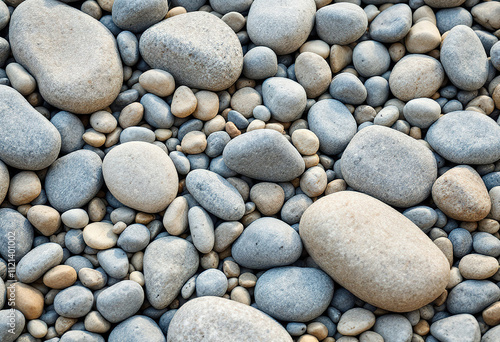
x: 374, y: 251
x: 158, y: 82
x: 184, y: 102
x: 477, y: 266
x: 27, y: 299
x: 20, y: 79
x: 370, y: 336
x: 60, y: 277
x: 92, y: 8
x: 106, y: 5
x: 268, y: 197
x: 305, y: 141
x: 355, y: 321
x: 94, y: 322
x: 340, y: 57
x: 63, y: 324
x: 445, y: 245
x: 24, y: 188
x: 423, y: 37
x: 37, y: 328
x: 318, y: 330
x: 307, y: 338
x: 241, y: 295
x: 194, y: 142
x: 176, y: 11
x: 103, y: 122
x: 491, y: 314
x: 91, y: 278
x: 461, y: 194
x: 313, y: 73
x: 131, y: 115
x: 247, y: 280
x: 424, y: 13
x: 225, y: 234
x: 208, y: 105
x: 335, y: 185
x: 94, y: 138
x: 245, y: 100
x: 44, y: 218
x: 318, y: 47
x: 99, y: 235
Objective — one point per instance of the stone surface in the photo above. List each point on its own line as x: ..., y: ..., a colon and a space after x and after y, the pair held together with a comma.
x: 135, y: 329
x: 74, y: 302
x: 99, y: 235
x: 216, y: 319
x: 465, y: 137
x: 348, y: 89
x: 264, y: 154
x: 392, y: 24
x: 211, y: 282
x: 259, y: 63
x: 389, y: 165
x: 355, y: 321
x: 30, y: 141
x: 134, y: 238
x: 201, y: 227
x: 370, y: 58
x: 286, y: 99
x: 342, y: 234
x: 38, y: 261
x: 477, y: 266
x: 461, y: 194
x: 472, y: 296
x: 114, y: 262
x: 341, y: 23
x: 282, y: 25
x: 27, y: 299
x: 73, y: 180
x: 120, y: 301
x: 394, y: 328
x: 168, y: 263
x: 15, y: 227
x: 422, y: 112
x: 282, y: 292
x: 141, y: 176
x: 44, y: 35
x: 198, y: 49
x: 458, y: 328
x: 313, y: 73
x: 44, y: 218
x: 4, y: 181
x: 5, y: 320
x: 136, y: 16
x: 491, y: 335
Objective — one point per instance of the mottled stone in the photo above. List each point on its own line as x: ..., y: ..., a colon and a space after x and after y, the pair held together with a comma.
x: 472, y: 296
x: 38, y: 261
x: 137, y: 328
x: 15, y: 227
x: 74, y: 302
x: 286, y: 99
x: 458, y: 328
x: 392, y: 24
x: 120, y: 301
x: 341, y: 23
x: 7, y: 332
x: 137, y: 15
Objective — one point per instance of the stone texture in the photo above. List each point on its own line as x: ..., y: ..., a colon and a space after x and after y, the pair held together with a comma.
x: 29, y: 141
x: 13, y: 225
x: 74, y: 302
x: 355, y: 321
x: 44, y: 35
x: 394, y: 328
x: 4, y: 181
x: 392, y: 24
x: 389, y: 165
x: 444, y: 3
x: 137, y: 15
x: 472, y: 296
x: 28, y: 300
x: 198, y: 49
x: 99, y: 235
x: 341, y: 23
x: 215, y: 319
x: 38, y: 261
x: 458, y: 328
x: 487, y: 14
x: 344, y: 231
x: 5, y: 320
x: 141, y: 176
x: 137, y: 328
x: 120, y: 301
x: 477, y: 266
x: 286, y: 99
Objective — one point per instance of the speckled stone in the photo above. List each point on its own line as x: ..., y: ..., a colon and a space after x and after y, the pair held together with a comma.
x: 355, y: 321
x: 19, y: 323
x: 472, y: 296
x: 282, y: 292
x: 422, y: 112
x: 264, y: 154
x: 217, y: 319
x: 136, y: 15
x: 457, y: 328
x: 394, y: 328
x: 198, y: 49
x: 82, y: 82
x: 392, y: 24
x: 134, y: 238
x: 120, y: 301
x: 137, y: 328
x: 71, y: 129
x: 73, y: 180
x: 13, y: 224
x: 285, y: 98
x: 168, y: 263
x: 389, y: 165
x: 114, y: 262
x: 409, y: 271
x: 29, y: 141
x: 341, y: 23
x: 74, y: 302
x: 80, y: 335
x: 38, y: 261
x: 466, y: 137
x: 211, y: 282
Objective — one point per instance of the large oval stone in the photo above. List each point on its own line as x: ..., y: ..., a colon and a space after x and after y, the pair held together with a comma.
x: 141, y: 176
x: 465, y: 137
x: 214, y: 319
x: 14, y: 227
x: 197, y: 48
x: 29, y: 140
x: 38, y: 261
x: 73, y: 57
x: 168, y: 263
x: 374, y: 251
x: 389, y: 165
x: 264, y: 154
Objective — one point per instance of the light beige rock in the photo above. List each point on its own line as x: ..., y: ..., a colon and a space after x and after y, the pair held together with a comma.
x: 313, y: 73
x: 370, y: 336
x: 314, y: 181
x: 194, y: 142
x: 24, y: 188
x: 245, y: 100
x: 225, y: 234
x: 99, y: 235
x: 106, y: 5
x: 158, y: 82
x: 444, y: 3
x: 94, y: 138
x: 477, y: 266
x: 75, y: 218
x: 4, y: 181
x: 44, y: 218
x: 131, y: 115
x: 208, y: 105
x: 28, y: 300
x: 268, y: 197
x: 91, y: 278
x: 103, y: 122
x: 355, y: 321
x: 184, y: 102
x: 424, y: 13
x: 491, y: 314
x: 141, y: 176
x: 374, y: 251
x: 20, y: 79
x: 423, y: 37
x: 94, y: 322
x: 340, y: 57
x: 60, y: 277
x: 461, y: 194
x: 305, y: 141
x: 445, y: 245
x: 37, y: 328
x: 175, y: 219
x: 317, y: 46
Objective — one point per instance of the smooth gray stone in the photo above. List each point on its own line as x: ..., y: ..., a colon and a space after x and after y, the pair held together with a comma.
x: 472, y: 296
x: 486, y: 244
x: 341, y: 23
x: 215, y: 194
x: 114, y: 261
x: 282, y: 25
x: 14, y: 227
x: 393, y: 328
x: 3, y: 291
x: 181, y: 162
x: 137, y: 328
x: 495, y: 55
x: 286, y: 99
x: 71, y: 129
x: 216, y: 143
x: 292, y: 210
x: 9, y: 330
x: 73, y: 240
x: 264, y: 154
x: 448, y: 18
x: 423, y: 217
x: 4, y: 16
x: 464, y: 59
x: 267, y: 242
x: 422, y: 112
x: 120, y: 301
x: 201, y: 227
x: 226, y: 6
x: 168, y: 263
x: 282, y: 292
x: 136, y: 15
x: 74, y: 302
x: 128, y: 45
x: 371, y: 58
x: 347, y: 88
x: 73, y: 180
x: 392, y: 24
x: 458, y: 328
x: 198, y: 49
x: 38, y: 261
x: 492, y: 335
x: 136, y: 133
x: 29, y: 140
x: 78, y: 262
x: 134, y: 238
x: 465, y: 137
x: 377, y: 89
x: 189, y: 5
x: 80, y: 336
x: 211, y: 282
x: 260, y: 63
x: 389, y: 165
x: 157, y: 112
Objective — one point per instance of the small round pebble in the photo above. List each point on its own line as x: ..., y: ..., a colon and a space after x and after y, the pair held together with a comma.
x: 211, y: 282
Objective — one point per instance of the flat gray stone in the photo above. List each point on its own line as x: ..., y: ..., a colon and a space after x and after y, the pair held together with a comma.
x: 264, y: 154
x: 284, y: 291
x: 74, y: 302
x: 394, y: 328
x: 371, y: 58
x: 168, y: 263
x: 389, y: 165
x: 38, y: 261
x: 464, y: 59
x: 44, y: 35
x: 348, y: 89
x: 457, y: 328
x: 211, y: 282
x: 73, y: 180
x: 341, y: 23
x: 114, y: 261
x: 466, y: 137
x: 29, y: 140
x: 134, y: 238
x: 286, y: 99
x: 137, y: 328
x: 392, y: 24
x: 472, y: 296
x: 71, y: 129
x: 492, y: 335
x: 198, y: 49
x: 137, y: 15
x: 120, y: 301
x: 422, y: 112
x: 80, y: 336
x: 15, y: 227
x: 202, y: 229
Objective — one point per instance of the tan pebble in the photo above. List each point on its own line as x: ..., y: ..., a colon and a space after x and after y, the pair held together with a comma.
x: 175, y: 219
x: 225, y: 234
x: 491, y: 314
x: 27, y: 299
x: 240, y: 294
x: 231, y: 284
x: 445, y: 245
x: 137, y: 260
x: 243, y: 82
x: 94, y: 138
x: 488, y: 225
x: 37, y: 328
x: 240, y: 185
x: 235, y: 20
x: 96, y: 209
x: 60, y: 277
x: 231, y: 269
x: 36, y: 100
x: 91, y: 278
x: 340, y: 57
x: 119, y: 227
x: 305, y: 141
x: 51, y: 333
x: 103, y: 122
x: 311, y: 161
x: 483, y: 102
x: 131, y: 115
x: 441, y: 299
x: 313, y: 182
x: 247, y: 280
x: 214, y: 125
x: 455, y: 278
x: 232, y: 130
x: 318, y: 47
x: 469, y: 226
x: 364, y: 113
x: 138, y: 277
x: 370, y: 336
x: 416, y: 133
x: 23, y: 209
x: 99, y: 235
x: 208, y: 105
x: 144, y: 218
x: 313, y: 73
x: 184, y: 102
x: 113, y: 138
x: 245, y: 100
x: 209, y: 260
x: 158, y: 82
x: 276, y: 126
x: 249, y: 218
x: 92, y: 8
x: 355, y: 321
x: 496, y: 96
x: 494, y: 194
x: 423, y: 37
x: 477, y: 266
x: 24, y: 188
x: 256, y: 124
x: 44, y: 218
x: 424, y: 13
x: 307, y: 338
x: 106, y: 5
x: 163, y: 134
x: 94, y: 322
x: 63, y: 324
x: 397, y: 51
x: 174, y: 305
x: 422, y: 328
x: 318, y: 330
x: 194, y: 142
x: 175, y: 11
x: 335, y: 185
x: 20, y: 79
x: 268, y: 197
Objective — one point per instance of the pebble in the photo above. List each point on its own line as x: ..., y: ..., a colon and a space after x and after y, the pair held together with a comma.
x: 120, y: 301
x: 137, y: 328
x: 157, y: 185
x: 487, y: 15
x: 462, y: 242
x: 286, y: 99
x: 60, y: 277
x: 457, y: 328
x: 313, y: 73
x: 194, y: 142
x: 92, y: 279
x: 392, y: 24
x: 99, y: 235
x: 394, y: 181
x: 371, y: 58
x: 28, y: 300
x: 486, y: 244
x: 245, y: 100
x: 134, y: 238
x: 355, y: 321
x: 24, y: 188
x: 282, y: 25
x: 348, y: 89
x: 38, y: 261
x: 208, y: 105
x: 20, y: 79
x: 268, y: 197
x: 393, y: 327
x: 267, y: 242
x: 305, y: 141
x: 325, y: 243
x: 202, y: 229
x: 184, y: 102
x: 7, y: 316
x: 260, y: 63
x: 80, y: 83
x: 211, y: 282
x: 168, y: 263
x: 114, y: 261
x: 138, y: 16
x: 4, y: 181
x: 472, y: 296
x: 422, y: 112
x: 75, y: 218
x: 74, y: 302
x: 216, y: 61
x: 44, y: 218
x: 314, y: 181
x: 445, y: 139
x: 461, y: 194
x: 281, y: 162
x: 156, y: 113
x: 128, y: 45
x: 448, y: 18
x: 423, y: 37
x: 479, y: 267
x: 341, y: 23
x: 464, y: 59
x: 12, y: 223
x: 213, y: 319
